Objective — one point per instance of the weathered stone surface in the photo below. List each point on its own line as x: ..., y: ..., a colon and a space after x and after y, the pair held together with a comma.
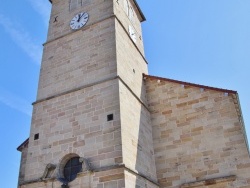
x: 197, y: 135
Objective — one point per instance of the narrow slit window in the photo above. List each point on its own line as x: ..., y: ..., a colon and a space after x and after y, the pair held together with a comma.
x: 36, y: 137
x: 110, y: 117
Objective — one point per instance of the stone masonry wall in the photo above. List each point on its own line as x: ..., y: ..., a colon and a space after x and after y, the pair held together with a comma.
x: 82, y: 58
x: 23, y: 163
x: 88, y: 180
x: 115, y: 178
x: 136, y: 130
x: 121, y: 13
x: 197, y: 135
x: 76, y: 123
x: 134, y: 181
x: 97, y: 10
x: 130, y: 63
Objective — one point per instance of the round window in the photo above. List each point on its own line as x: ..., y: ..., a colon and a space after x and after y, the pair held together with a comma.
x: 72, y: 168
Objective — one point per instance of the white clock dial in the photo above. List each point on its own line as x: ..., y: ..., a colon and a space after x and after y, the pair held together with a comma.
x: 79, y: 20
x: 131, y: 13
x: 132, y: 33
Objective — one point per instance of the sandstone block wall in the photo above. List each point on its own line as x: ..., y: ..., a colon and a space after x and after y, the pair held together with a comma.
x: 78, y: 59
x: 130, y: 63
x: 134, y: 181
x: 88, y: 180
x: 130, y: 56
x: 97, y: 10
x: 197, y: 135
x: 124, y: 18
x: 136, y: 133
x: 23, y: 162
x: 178, y: 135
x: 115, y: 178
x: 136, y: 128
x: 76, y: 123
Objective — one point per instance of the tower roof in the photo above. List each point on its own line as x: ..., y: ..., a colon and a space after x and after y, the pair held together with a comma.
x: 143, y: 18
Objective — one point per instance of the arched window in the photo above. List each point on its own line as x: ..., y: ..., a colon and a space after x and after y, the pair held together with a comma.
x: 72, y: 168
x: 69, y: 167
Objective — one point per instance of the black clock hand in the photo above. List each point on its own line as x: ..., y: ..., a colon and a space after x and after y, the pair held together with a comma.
x: 79, y: 18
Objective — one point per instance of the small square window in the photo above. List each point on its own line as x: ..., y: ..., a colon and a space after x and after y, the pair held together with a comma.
x: 36, y: 137
x: 110, y: 117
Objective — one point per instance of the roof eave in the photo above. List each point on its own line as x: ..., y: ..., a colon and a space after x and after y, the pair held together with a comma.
x: 190, y: 84
x: 143, y: 18
x: 19, y: 148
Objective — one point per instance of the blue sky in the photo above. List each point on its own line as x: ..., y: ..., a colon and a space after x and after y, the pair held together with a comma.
x: 201, y: 41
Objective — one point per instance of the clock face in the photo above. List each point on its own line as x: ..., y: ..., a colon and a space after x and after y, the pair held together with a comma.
x: 79, y: 20
x: 132, y: 33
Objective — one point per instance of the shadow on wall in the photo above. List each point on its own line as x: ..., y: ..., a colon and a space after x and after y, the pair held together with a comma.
x: 138, y: 154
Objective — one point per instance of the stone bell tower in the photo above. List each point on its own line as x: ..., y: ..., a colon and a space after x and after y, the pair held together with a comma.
x: 90, y: 125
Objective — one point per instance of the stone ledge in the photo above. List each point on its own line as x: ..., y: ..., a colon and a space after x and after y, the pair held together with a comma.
x: 75, y: 90
x: 102, y: 169
x: 209, y: 182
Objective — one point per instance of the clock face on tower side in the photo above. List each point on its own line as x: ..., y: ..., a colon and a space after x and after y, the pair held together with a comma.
x: 132, y: 33
x: 79, y: 20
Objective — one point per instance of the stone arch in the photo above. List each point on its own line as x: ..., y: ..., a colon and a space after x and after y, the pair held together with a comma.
x: 63, y: 162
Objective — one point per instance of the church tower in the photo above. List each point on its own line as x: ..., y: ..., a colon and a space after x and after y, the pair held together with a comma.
x: 91, y: 125
x: 100, y: 121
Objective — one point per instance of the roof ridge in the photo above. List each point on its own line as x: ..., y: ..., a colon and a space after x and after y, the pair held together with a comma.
x: 190, y: 84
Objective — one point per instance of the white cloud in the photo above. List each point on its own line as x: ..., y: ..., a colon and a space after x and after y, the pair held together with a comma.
x: 22, y: 38
x: 15, y: 102
x: 43, y: 8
